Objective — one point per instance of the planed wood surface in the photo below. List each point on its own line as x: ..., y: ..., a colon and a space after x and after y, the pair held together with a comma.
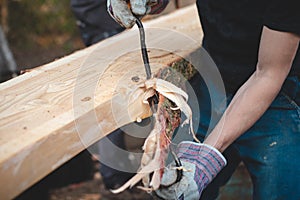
x: 53, y: 112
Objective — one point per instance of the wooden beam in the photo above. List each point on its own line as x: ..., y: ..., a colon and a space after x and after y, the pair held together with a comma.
x: 53, y: 112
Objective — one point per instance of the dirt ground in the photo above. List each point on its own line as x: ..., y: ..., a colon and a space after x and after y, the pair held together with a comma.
x: 95, y: 190
x: 239, y: 187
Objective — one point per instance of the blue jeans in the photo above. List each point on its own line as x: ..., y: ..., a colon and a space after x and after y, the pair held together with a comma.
x: 270, y: 149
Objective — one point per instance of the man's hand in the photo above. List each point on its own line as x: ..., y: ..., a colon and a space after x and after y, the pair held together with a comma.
x: 124, y: 13
x: 200, y: 162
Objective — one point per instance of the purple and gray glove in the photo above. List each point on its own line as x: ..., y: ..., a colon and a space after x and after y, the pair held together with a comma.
x: 201, y: 163
x: 124, y: 14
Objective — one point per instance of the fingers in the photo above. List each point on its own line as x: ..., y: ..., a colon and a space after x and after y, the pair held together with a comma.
x: 138, y: 7
x: 169, y: 176
x: 158, y: 6
x: 125, y: 15
x: 121, y: 13
x: 152, y: 2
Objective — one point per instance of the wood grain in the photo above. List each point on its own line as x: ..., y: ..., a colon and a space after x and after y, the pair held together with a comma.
x: 53, y: 112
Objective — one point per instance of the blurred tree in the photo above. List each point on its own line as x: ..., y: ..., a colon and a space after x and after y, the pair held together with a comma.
x: 47, y: 22
x: 3, y: 15
x: 40, y: 31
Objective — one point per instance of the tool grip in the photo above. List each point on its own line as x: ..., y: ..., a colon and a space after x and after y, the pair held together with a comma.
x: 144, y: 48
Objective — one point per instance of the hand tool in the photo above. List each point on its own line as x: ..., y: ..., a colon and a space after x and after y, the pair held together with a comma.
x: 154, y: 100
x: 143, y: 47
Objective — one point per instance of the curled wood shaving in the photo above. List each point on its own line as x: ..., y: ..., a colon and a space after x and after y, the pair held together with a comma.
x: 153, y: 159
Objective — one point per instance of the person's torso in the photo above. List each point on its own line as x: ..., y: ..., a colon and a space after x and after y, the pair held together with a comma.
x: 232, y: 30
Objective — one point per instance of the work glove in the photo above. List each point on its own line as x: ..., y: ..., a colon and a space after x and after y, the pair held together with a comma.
x: 200, y: 163
x: 124, y: 14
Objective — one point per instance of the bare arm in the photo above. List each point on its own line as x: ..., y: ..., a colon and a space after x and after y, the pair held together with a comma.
x: 276, y: 53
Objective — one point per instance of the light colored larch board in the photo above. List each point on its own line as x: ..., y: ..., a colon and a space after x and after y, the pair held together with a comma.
x: 53, y: 112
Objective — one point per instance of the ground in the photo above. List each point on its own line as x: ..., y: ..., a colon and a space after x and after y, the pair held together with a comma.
x: 239, y: 187
x: 95, y: 190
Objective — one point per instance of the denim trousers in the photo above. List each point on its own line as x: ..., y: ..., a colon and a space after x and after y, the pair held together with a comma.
x: 270, y: 149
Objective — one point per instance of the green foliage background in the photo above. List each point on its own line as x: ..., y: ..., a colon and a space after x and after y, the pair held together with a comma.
x: 41, y: 30
x: 32, y: 19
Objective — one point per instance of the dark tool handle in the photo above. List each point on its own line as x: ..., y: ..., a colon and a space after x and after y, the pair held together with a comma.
x: 153, y: 100
x: 144, y: 48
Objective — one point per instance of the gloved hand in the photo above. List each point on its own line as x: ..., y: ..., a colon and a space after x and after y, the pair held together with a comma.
x: 124, y: 14
x: 201, y: 164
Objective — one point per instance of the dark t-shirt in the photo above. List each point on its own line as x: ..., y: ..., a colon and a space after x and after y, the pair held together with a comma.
x: 93, y: 13
x: 232, y: 30
x: 94, y: 21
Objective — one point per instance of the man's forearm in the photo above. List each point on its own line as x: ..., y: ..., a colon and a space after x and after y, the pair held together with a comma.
x: 276, y: 53
x: 247, y: 106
